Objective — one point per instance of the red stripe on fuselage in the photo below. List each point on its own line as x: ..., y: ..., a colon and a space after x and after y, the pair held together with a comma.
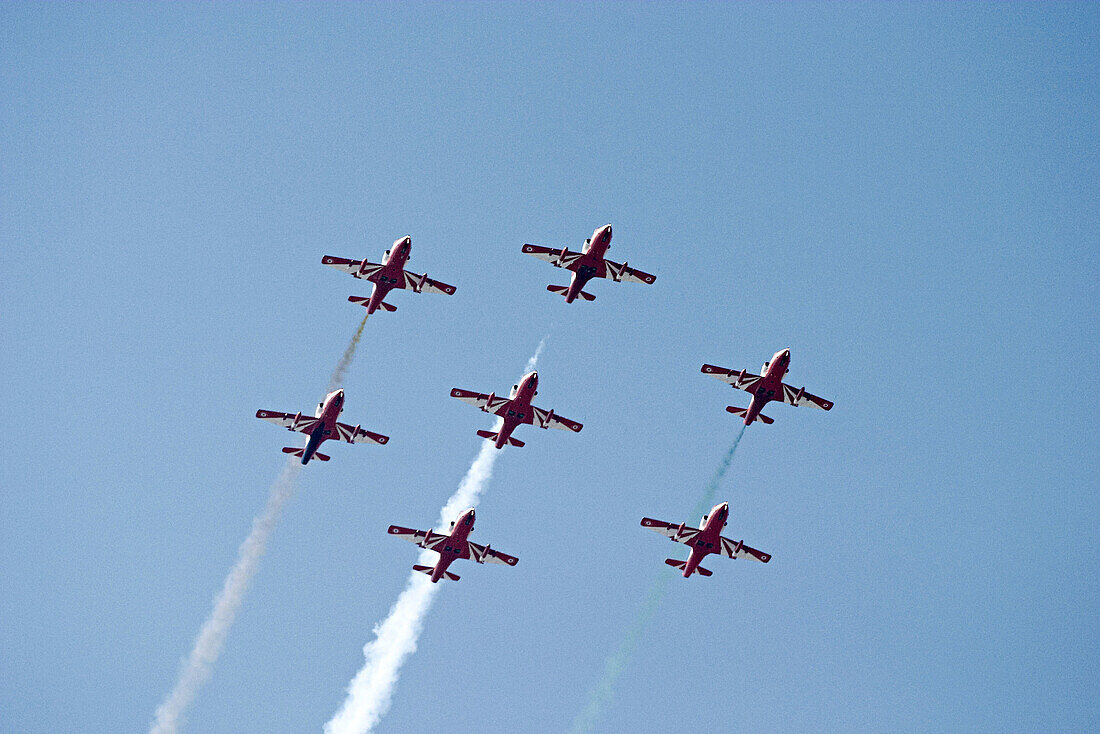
x: 709, y: 538
x: 455, y: 546
x: 590, y: 264
x: 517, y: 410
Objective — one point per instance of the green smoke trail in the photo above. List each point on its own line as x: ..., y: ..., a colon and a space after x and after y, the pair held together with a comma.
x: 341, y: 368
x: 707, y: 500
x: 600, y: 695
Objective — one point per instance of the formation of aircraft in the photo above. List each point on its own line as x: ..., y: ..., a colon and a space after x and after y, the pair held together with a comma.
x: 321, y: 427
x: 452, y: 547
x: 704, y: 540
x: 587, y: 264
x: 766, y: 387
x: 387, y: 275
x: 517, y: 410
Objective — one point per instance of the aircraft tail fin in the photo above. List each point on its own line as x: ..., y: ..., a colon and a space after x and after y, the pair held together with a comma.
x: 427, y: 571
x: 683, y: 564
x: 562, y: 290
x: 364, y: 301
x: 742, y: 411
x: 494, y: 436
x: 299, y: 452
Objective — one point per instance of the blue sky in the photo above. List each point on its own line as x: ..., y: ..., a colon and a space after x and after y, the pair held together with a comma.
x: 905, y: 195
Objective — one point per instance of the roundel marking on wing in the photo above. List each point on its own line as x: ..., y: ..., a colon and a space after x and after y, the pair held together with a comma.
x: 647, y: 523
x: 527, y: 248
x: 706, y: 369
x: 395, y: 531
x: 455, y: 392
x: 263, y: 414
x: 328, y: 261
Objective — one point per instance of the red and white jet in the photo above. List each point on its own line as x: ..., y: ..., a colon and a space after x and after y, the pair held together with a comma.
x: 387, y: 275
x: 766, y: 387
x: 516, y: 409
x: 450, y: 547
x: 704, y: 541
x: 321, y: 427
x: 587, y: 264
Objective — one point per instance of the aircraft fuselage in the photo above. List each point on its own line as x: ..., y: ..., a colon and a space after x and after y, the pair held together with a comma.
x: 455, y: 545
x: 770, y: 384
x: 391, y: 274
x: 326, y: 425
x: 591, y: 263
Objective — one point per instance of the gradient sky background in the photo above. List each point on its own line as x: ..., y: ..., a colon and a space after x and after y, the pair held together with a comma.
x: 906, y: 195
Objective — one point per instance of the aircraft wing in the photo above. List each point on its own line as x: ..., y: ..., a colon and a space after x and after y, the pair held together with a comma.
x: 422, y: 283
x: 488, y: 403
x: 738, y: 549
x: 423, y: 538
x: 557, y: 258
x: 358, y: 268
x: 619, y: 272
x: 485, y: 554
x: 299, y: 422
x: 799, y: 396
x: 679, y: 533
x: 355, y: 434
x: 549, y: 419
x: 741, y: 380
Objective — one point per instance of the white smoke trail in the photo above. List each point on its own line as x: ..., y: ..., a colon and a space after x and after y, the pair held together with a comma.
x: 371, y: 691
x: 198, y: 665
x: 210, y: 640
x: 604, y: 690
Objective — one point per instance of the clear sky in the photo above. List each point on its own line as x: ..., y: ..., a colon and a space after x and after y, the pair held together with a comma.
x: 905, y: 195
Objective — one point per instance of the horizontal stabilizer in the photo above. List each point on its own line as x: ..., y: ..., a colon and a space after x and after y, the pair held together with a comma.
x: 493, y: 437
x: 427, y: 571
x: 587, y: 296
x: 682, y: 564
x: 741, y: 412
x: 298, y: 452
x: 559, y: 289
x: 364, y: 301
